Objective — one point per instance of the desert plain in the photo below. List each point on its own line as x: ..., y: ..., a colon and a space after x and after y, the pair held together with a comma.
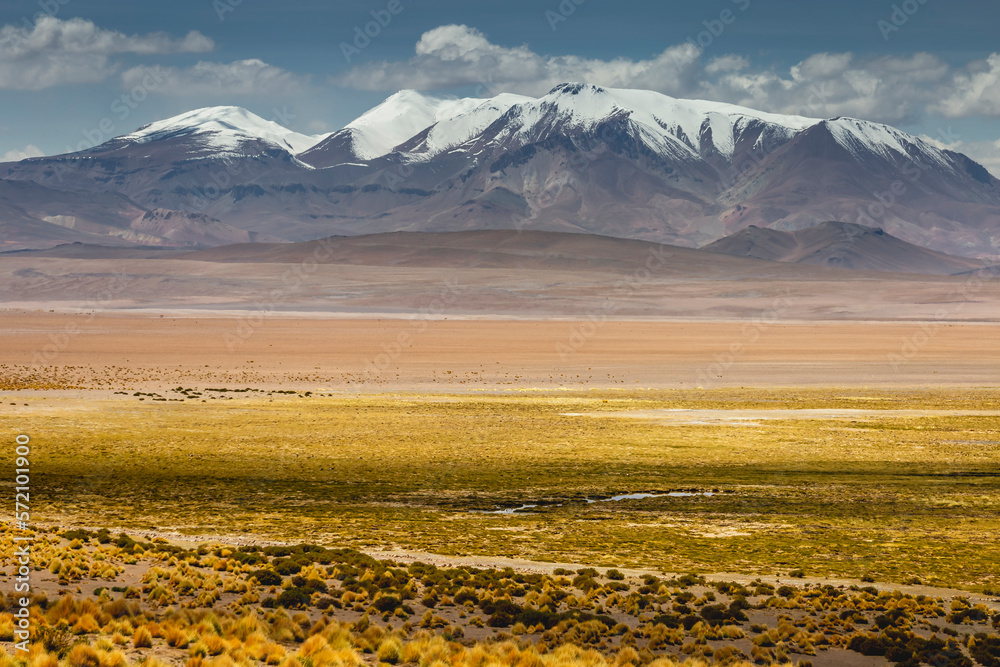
x: 529, y: 461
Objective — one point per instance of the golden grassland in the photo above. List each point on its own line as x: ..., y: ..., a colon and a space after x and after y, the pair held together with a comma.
x: 890, y: 498
x: 156, y: 604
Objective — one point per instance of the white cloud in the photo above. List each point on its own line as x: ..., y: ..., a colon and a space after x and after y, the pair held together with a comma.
x: 242, y: 77
x: 728, y: 63
x: 457, y: 55
x: 54, y: 52
x: 976, y: 92
x: 17, y: 155
x: 889, y: 89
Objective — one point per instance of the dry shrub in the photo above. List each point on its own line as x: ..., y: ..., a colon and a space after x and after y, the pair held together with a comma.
x: 253, y: 642
x: 113, y: 659
x: 338, y: 636
x: 477, y: 657
x: 176, y: 637
x: 627, y: 656
x: 529, y: 658
x: 62, y: 609
x: 727, y: 655
x: 246, y: 626
x: 83, y: 655
x: 313, y: 645
x: 142, y: 638
x: 6, y: 627
x: 390, y: 650
x: 698, y: 662
x: 86, y: 624
x: 215, y: 644
x: 272, y: 654
x: 284, y: 629
x: 44, y: 660
x: 7, y: 660
x: 220, y: 661
x: 121, y: 608
x: 663, y: 662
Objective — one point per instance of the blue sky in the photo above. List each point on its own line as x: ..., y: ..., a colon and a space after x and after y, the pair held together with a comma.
x: 75, y: 72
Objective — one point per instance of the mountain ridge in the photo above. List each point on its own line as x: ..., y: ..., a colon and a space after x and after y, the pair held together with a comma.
x: 583, y: 158
x: 840, y: 245
x: 753, y: 251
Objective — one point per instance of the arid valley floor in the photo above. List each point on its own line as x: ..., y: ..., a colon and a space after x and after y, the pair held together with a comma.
x: 216, y: 481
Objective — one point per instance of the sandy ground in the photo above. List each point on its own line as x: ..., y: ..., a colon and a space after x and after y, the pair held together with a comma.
x: 691, y: 288
x: 128, y: 351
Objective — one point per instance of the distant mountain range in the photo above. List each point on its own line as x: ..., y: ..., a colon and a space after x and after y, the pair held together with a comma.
x: 585, y: 159
x: 753, y: 252
x: 840, y: 245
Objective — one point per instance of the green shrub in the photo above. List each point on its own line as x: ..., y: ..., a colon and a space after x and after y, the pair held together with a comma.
x: 985, y: 650
x: 266, y: 577
x: 294, y: 598
x: 387, y: 603
x: 287, y: 567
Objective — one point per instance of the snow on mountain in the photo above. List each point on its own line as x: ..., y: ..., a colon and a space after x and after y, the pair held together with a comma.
x: 422, y: 126
x: 419, y: 125
x: 666, y: 124
x: 860, y: 136
x: 399, y: 118
x: 663, y: 169
x: 224, y: 129
x: 455, y: 130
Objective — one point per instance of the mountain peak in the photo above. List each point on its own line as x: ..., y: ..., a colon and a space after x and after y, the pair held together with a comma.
x: 407, y: 113
x: 576, y: 89
x: 223, y: 128
x: 860, y: 137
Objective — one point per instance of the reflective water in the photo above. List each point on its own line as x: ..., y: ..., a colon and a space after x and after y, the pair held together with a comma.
x: 618, y: 498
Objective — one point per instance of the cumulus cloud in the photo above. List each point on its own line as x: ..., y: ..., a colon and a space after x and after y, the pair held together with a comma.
x: 16, y: 155
x: 975, y: 92
x: 242, y: 77
x: 54, y: 51
x: 889, y: 89
x: 457, y: 55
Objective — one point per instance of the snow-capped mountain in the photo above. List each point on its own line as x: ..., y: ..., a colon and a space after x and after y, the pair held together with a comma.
x: 222, y: 129
x: 626, y: 163
x: 401, y: 119
x: 666, y: 125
